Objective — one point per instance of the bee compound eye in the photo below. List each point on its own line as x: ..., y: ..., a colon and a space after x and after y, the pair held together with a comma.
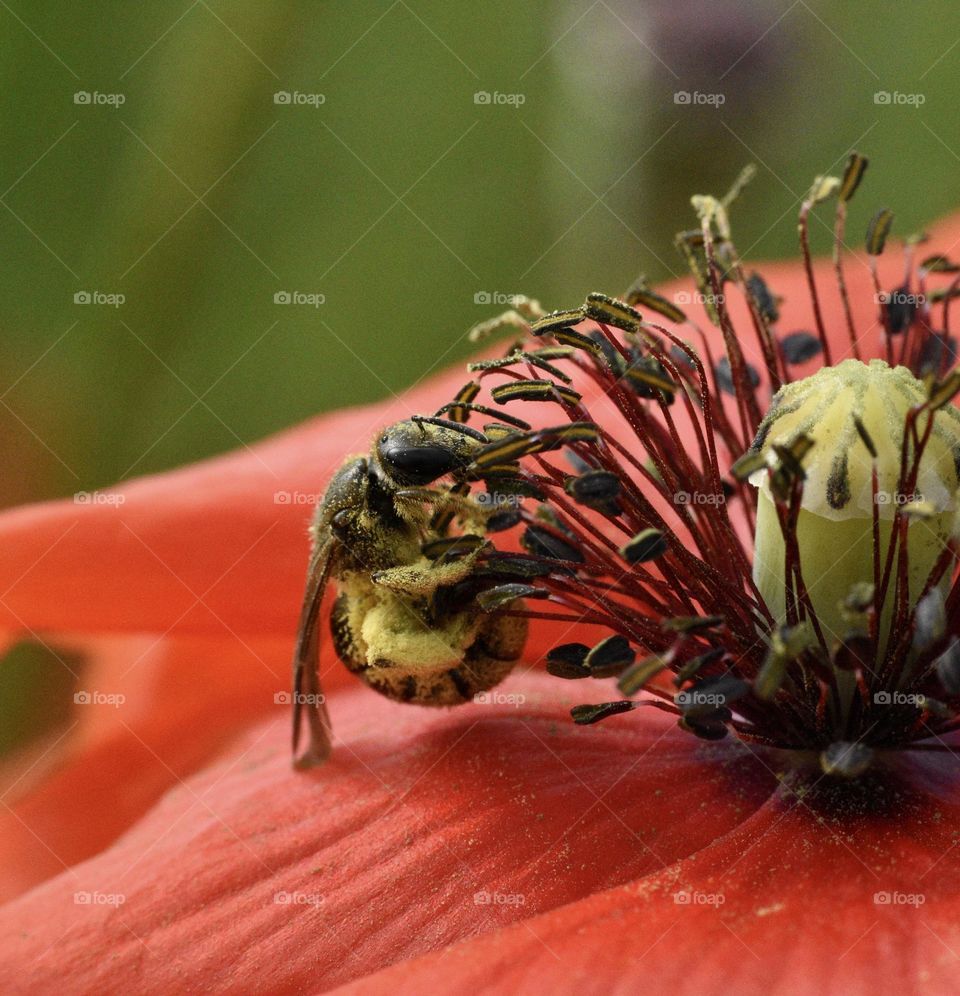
x: 412, y: 464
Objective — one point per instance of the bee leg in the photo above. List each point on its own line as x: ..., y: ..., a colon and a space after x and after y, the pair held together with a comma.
x: 311, y: 698
x: 419, y: 494
x: 307, y: 693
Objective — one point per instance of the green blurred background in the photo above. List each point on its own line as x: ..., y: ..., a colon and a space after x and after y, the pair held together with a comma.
x: 397, y: 197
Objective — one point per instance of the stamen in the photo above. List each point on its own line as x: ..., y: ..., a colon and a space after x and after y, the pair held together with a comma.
x: 836, y: 633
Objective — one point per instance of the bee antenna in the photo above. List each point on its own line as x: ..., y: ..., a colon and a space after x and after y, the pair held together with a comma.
x: 446, y: 423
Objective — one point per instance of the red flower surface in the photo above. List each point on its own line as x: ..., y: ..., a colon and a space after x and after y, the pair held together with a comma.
x: 166, y: 845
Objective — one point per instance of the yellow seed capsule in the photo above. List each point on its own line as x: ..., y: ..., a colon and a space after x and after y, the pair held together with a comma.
x: 855, y: 414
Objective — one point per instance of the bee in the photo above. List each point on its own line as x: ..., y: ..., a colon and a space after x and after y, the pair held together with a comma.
x: 405, y: 618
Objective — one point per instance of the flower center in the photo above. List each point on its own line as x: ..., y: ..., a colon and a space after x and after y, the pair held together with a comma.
x: 856, y: 476
x: 838, y: 634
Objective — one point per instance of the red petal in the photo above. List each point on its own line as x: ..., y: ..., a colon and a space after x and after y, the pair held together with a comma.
x: 830, y: 893
x: 418, y: 812
x: 156, y: 711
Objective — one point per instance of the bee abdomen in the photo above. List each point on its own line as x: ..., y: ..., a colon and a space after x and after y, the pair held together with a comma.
x: 462, y: 685
x: 489, y: 659
x: 451, y: 687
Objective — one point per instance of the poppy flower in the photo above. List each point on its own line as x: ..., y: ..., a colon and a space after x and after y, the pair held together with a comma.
x: 742, y: 838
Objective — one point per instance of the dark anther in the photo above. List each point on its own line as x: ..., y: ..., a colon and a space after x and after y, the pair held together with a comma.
x: 900, y: 306
x: 496, y: 598
x: 610, y: 657
x: 546, y: 544
x: 568, y: 661
x: 765, y: 301
x: 596, y: 489
x: 725, y: 376
x: 648, y: 544
x: 505, y: 518
x: 585, y: 715
x: 799, y: 347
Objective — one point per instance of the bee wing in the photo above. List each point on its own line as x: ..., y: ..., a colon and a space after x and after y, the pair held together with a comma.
x: 307, y: 696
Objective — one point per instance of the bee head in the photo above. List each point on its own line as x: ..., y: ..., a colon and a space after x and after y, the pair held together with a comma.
x: 414, y: 453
